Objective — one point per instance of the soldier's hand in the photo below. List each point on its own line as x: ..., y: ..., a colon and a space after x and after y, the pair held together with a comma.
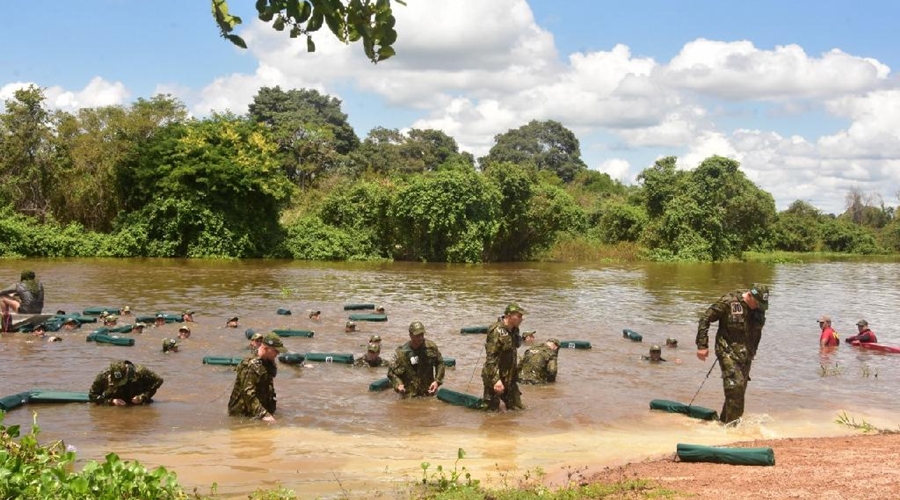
x: 268, y: 418
x: 702, y: 354
x: 401, y: 388
x: 498, y: 387
x: 118, y: 402
x: 433, y: 387
x: 137, y: 400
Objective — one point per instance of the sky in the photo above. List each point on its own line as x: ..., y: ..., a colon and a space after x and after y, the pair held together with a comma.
x: 804, y: 94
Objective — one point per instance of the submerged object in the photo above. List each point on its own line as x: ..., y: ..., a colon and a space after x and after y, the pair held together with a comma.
x: 632, y: 335
x: 691, y: 411
x: 283, y: 312
x: 44, y: 396
x: 291, y: 358
x: 460, y: 399
x: 97, y: 311
x: 221, y: 360
x: 102, y: 338
x: 368, y: 317
x: 380, y: 384
x: 733, y: 456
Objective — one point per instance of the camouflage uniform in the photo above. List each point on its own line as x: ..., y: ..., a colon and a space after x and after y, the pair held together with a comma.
x: 124, y: 381
x: 538, y: 365
x: 416, y: 369
x: 253, y: 394
x: 500, y: 364
x: 379, y: 361
x: 737, y: 337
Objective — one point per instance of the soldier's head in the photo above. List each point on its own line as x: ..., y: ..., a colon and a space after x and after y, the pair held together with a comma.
x: 416, y: 334
x: 655, y: 353
x: 270, y: 347
x: 553, y: 343
x: 126, y: 311
x: 350, y: 327
x: 110, y: 320
x: 528, y: 337
x: 160, y: 319
x: 760, y: 294
x: 184, y: 332
x: 671, y: 342
x: 170, y: 345
x: 39, y: 330
x: 138, y: 327
x: 512, y: 315
x: 27, y: 275
x: 187, y: 315
x: 70, y: 324
x: 373, y: 350
x: 121, y: 372
x: 232, y: 322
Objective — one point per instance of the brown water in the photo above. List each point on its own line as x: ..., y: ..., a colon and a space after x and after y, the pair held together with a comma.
x: 335, y: 438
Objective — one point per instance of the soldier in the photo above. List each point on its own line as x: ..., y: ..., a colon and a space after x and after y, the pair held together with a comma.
x: 528, y: 337
x: 232, y: 322
x: 126, y: 311
x: 741, y: 316
x: 253, y: 394
x: 70, y: 324
x: 187, y: 316
x: 655, y: 355
x: 110, y: 320
x: 671, y: 342
x: 123, y: 384
x: 418, y: 367
x: 499, y: 372
x: 169, y: 345
x: 372, y: 358
x: 138, y: 327
x: 184, y: 332
x: 539, y: 363
x: 350, y: 327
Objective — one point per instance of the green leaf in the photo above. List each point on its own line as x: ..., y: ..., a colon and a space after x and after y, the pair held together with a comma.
x: 315, y: 22
x: 237, y: 41
x: 385, y: 53
x: 305, y: 12
x: 293, y: 9
x: 278, y: 24
x: 310, y: 45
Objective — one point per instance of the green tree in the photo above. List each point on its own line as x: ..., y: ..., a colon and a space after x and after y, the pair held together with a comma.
x: 371, y: 21
x: 840, y: 235
x: 546, y: 145
x: 26, y: 155
x: 621, y: 222
x: 797, y: 229
x: 362, y: 209
x: 387, y: 151
x: 661, y: 182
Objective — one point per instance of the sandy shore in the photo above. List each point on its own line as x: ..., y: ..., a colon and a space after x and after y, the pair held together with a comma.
x: 832, y: 468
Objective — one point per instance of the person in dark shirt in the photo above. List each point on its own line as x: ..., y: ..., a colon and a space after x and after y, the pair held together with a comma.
x: 865, y: 335
x: 25, y: 297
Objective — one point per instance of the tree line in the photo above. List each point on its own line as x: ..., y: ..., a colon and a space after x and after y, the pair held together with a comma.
x: 291, y: 179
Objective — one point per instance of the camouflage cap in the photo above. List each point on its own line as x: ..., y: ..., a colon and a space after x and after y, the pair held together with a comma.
x: 126, y: 309
x: 184, y: 328
x: 169, y: 345
x: 188, y: 312
x: 761, y: 294
x: 274, y: 341
x: 256, y: 336
x: 110, y: 317
x: 140, y: 324
x: 554, y: 340
x: 672, y: 341
x: 416, y: 328
x: 513, y: 308
x: 379, y: 308
x: 233, y: 318
x: 121, y: 372
x: 375, y: 339
x: 160, y: 316
x: 70, y: 320
x: 529, y: 333
x: 655, y: 348
x: 350, y: 325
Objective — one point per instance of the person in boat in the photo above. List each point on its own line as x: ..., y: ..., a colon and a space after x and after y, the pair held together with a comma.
x: 539, y: 363
x: 232, y: 322
x: 418, y: 367
x: 25, y: 297
x: 372, y: 358
x: 124, y: 384
x: 500, y: 374
x: 741, y: 316
x: 865, y: 335
x: 655, y: 355
x: 253, y: 394
x: 828, y: 337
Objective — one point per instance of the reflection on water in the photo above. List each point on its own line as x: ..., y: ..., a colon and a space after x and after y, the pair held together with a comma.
x: 335, y: 438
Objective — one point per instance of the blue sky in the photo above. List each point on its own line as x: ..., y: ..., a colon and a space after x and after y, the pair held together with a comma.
x: 803, y: 93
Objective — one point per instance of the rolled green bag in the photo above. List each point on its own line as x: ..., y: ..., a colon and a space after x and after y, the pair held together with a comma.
x: 330, y: 357
x: 449, y: 361
x: 632, y: 335
x: 170, y: 318
x: 291, y: 358
x: 294, y: 333
x: 732, y: 456
x: 249, y: 332
x: 691, y: 411
x: 575, y: 344
x: 221, y: 361
x: 101, y: 338
x: 460, y: 399
x: 283, y: 312
x: 358, y: 307
x: 97, y: 311
x: 121, y: 329
x: 466, y: 330
x: 14, y: 401
x: 380, y: 384
x: 42, y: 396
x: 368, y: 317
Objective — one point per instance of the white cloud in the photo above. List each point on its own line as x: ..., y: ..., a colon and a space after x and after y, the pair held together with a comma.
x: 98, y: 92
x: 618, y: 169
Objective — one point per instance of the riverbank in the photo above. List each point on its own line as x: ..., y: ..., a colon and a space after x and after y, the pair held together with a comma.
x: 846, y: 467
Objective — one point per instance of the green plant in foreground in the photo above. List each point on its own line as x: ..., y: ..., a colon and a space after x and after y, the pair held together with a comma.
x: 441, y: 480
x: 830, y: 371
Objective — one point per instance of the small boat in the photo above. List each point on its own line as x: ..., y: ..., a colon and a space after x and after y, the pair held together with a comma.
x: 877, y: 347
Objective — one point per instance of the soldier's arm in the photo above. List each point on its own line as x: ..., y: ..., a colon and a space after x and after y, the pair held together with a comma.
x: 714, y: 313
x: 439, y: 368
x: 151, y: 382
x: 97, y: 393
x: 552, y: 367
x: 491, y: 371
x: 395, y: 371
x: 252, y: 375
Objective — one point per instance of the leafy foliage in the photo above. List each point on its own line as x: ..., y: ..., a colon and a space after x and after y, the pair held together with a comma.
x: 546, y: 145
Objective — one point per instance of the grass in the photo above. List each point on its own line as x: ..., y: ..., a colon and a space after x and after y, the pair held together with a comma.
x: 580, y: 249
x: 830, y: 371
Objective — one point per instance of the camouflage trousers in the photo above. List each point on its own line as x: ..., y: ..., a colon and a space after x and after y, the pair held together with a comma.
x: 511, y: 397
x: 735, y: 375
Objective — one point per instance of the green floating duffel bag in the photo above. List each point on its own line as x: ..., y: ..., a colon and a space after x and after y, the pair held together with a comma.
x: 380, y: 384
x: 691, y: 411
x: 294, y: 333
x: 102, y: 338
x: 732, y: 456
x: 473, y: 329
x: 41, y: 396
x: 221, y: 361
x: 330, y: 357
x: 121, y: 329
x: 97, y: 311
x: 449, y: 361
x: 358, y: 307
x: 14, y: 401
x: 283, y: 312
x: 170, y: 318
x: 575, y: 344
x: 291, y: 358
x: 460, y: 399
x: 368, y: 317
x: 632, y: 335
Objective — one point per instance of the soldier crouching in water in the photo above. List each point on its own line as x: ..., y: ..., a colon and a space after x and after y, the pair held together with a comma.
x: 418, y: 367
x: 499, y: 373
x: 741, y: 316
x: 123, y: 384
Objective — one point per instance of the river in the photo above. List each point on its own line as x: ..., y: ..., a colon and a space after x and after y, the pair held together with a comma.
x: 334, y: 438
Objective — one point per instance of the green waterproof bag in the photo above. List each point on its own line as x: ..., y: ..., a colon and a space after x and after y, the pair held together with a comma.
x: 358, y: 307
x: 449, y: 361
x: 380, y: 384
x: 14, y: 401
x: 283, y: 312
x: 170, y: 318
x: 121, y: 329
x: 101, y: 338
x: 574, y: 344
x: 691, y: 411
x: 368, y: 317
x: 221, y: 361
x: 460, y: 399
x: 41, y: 396
x: 466, y: 330
x: 97, y: 311
x: 632, y: 335
x: 291, y: 358
x: 330, y: 357
x: 294, y: 333
x: 732, y: 456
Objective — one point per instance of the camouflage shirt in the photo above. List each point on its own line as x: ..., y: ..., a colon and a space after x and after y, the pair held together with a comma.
x: 416, y: 369
x: 253, y: 394
x: 739, y: 326
x: 143, y: 383
x: 500, y: 355
x: 538, y: 365
x: 378, y: 362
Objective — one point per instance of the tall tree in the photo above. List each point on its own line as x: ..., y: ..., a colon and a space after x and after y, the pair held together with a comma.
x: 546, y: 145
x: 26, y: 153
